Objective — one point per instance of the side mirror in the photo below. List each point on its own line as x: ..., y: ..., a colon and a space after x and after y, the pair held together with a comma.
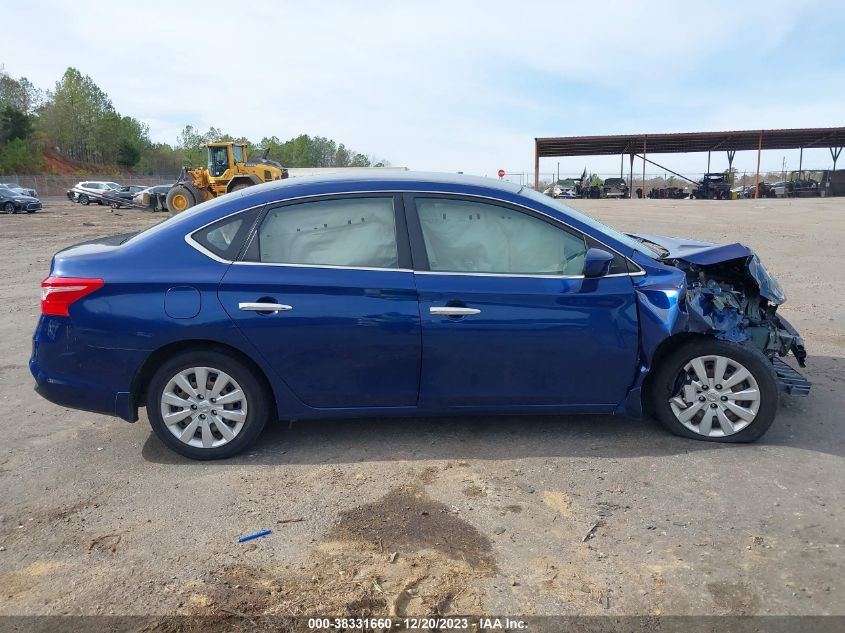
x: 596, y: 263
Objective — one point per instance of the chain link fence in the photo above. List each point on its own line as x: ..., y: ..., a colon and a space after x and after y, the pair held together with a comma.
x: 57, y: 185
x: 655, y: 178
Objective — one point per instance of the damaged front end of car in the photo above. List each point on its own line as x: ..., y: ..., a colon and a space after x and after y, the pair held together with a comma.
x: 737, y: 300
x: 727, y: 293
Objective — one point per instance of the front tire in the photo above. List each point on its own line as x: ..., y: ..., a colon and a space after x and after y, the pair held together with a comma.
x: 83, y: 199
x: 179, y: 199
x: 716, y: 391
x: 207, y: 405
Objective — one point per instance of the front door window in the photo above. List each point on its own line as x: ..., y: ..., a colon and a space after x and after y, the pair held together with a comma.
x: 473, y: 237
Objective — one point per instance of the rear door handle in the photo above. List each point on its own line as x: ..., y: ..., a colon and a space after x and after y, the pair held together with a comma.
x: 264, y: 307
x: 452, y: 311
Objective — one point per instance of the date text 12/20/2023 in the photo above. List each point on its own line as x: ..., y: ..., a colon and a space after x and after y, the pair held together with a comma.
x: 424, y: 624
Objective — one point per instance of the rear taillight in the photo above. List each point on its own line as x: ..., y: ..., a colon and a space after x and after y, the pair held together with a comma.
x: 57, y: 293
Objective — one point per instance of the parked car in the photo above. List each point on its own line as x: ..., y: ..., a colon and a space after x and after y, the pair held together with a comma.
x: 765, y: 190
x: 743, y: 191
x: 89, y: 191
x: 408, y: 294
x: 12, y: 201
x: 564, y: 188
x: 154, y: 198
x: 32, y: 193
x: 615, y: 188
x: 555, y: 191
x: 780, y: 189
x: 127, y: 193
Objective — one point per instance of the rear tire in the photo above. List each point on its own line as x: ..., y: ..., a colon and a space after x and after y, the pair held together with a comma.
x: 239, y: 186
x: 8, y: 208
x: 675, y: 393
x: 226, y: 428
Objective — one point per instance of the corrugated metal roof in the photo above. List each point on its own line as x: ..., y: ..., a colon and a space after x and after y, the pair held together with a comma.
x: 682, y: 142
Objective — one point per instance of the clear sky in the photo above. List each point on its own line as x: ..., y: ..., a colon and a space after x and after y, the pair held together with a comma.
x: 451, y: 86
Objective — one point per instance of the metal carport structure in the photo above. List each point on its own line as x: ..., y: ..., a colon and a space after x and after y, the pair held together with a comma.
x: 687, y: 142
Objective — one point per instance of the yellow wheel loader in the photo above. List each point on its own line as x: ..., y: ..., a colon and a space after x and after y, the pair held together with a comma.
x: 229, y: 169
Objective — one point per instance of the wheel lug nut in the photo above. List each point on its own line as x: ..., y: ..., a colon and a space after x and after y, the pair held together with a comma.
x: 704, y: 387
x: 719, y: 387
x: 701, y: 398
x: 194, y: 407
x: 199, y: 397
x: 712, y: 406
x: 213, y: 412
x: 214, y: 399
x: 724, y: 398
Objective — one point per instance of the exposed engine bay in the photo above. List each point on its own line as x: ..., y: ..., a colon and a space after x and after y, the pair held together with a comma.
x: 737, y: 300
x: 730, y: 295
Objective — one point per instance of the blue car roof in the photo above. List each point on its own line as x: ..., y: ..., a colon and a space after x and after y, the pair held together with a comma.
x: 390, y: 179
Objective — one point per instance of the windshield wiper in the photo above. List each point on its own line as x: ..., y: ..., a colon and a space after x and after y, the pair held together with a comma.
x: 657, y: 248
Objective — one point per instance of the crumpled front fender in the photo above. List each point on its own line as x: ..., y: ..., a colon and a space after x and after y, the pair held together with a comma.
x: 662, y: 313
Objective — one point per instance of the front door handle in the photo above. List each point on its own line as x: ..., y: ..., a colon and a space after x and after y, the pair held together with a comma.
x: 264, y: 307
x: 452, y: 311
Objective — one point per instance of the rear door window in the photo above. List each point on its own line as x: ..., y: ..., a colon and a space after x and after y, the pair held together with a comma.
x: 355, y: 232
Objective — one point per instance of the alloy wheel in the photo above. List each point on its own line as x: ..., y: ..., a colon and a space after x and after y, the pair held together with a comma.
x: 203, y: 407
x: 716, y: 396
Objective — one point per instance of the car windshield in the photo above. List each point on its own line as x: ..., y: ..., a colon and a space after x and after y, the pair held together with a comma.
x: 627, y: 240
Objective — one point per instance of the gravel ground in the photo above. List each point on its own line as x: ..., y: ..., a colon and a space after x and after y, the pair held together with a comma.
x: 570, y: 515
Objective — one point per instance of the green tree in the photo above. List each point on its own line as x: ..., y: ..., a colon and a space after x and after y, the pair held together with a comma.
x: 82, y: 123
x: 19, y: 93
x: 14, y: 124
x: 79, y: 121
x: 128, y: 155
x: 317, y: 151
x: 17, y: 156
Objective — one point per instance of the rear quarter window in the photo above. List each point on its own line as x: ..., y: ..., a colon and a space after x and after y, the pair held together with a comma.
x: 225, y: 238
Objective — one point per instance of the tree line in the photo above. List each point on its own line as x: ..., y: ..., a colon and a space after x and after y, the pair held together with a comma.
x: 78, y: 121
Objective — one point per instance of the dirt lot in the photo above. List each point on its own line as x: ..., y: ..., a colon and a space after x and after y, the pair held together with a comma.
x: 480, y: 515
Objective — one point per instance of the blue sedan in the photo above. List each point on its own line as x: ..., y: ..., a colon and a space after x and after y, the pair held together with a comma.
x: 402, y: 295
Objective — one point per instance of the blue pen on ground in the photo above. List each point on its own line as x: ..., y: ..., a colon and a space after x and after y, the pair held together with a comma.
x: 249, y: 537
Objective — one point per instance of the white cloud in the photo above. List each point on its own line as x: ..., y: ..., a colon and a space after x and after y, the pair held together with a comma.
x: 432, y: 85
